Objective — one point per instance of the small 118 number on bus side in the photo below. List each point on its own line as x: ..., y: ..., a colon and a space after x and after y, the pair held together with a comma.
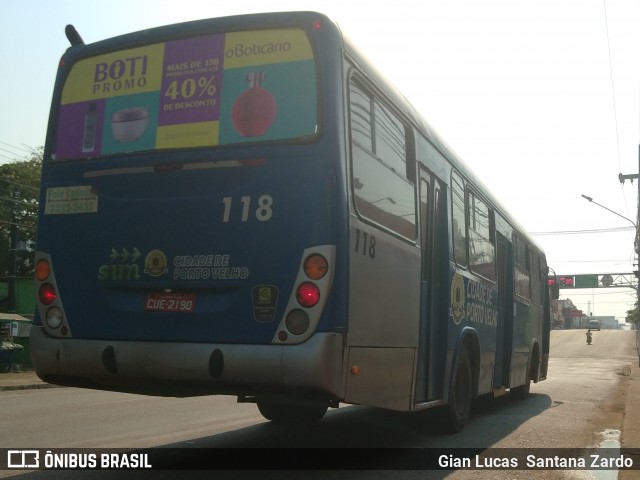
x: 365, y: 244
x: 262, y: 208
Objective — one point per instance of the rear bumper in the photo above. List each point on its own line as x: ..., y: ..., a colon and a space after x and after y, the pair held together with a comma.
x: 185, y: 369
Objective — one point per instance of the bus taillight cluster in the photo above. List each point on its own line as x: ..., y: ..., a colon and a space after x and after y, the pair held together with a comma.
x: 311, y: 285
x: 48, y: 295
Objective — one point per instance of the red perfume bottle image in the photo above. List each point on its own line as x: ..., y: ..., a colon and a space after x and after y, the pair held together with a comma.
x: 255, y: 109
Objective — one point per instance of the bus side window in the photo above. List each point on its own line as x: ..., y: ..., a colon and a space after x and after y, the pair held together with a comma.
x: 361, y: 128
x: 522, y: 275
x: 390, y: 138
x: 381, y: 188
x: 482, y: 255
x: 459, y: 223
x: 536, y: 279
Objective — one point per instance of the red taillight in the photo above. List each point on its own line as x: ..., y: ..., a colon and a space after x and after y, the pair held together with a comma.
x: 47, y: 294
x: 308, y: 294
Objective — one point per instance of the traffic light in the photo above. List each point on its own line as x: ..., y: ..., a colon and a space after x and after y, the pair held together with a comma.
x: 566, y: 282
x: 554, y: 288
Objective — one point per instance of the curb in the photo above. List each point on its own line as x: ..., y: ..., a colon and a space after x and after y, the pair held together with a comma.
x: 630, y: 437
x: 32, y: 386
x: 22, y: 379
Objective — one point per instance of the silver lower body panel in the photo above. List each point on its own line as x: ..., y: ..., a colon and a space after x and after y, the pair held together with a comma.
x: 185, y: 369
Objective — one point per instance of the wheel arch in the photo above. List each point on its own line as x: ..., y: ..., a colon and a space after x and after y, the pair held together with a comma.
x: 470, y: 340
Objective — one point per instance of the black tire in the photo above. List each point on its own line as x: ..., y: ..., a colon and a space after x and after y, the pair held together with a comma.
x: 461, y: 395
x: 291, y: 410
x: 521, y: 392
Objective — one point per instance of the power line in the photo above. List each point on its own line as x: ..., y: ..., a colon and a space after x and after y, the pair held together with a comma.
x: 16, y: 155
x: 18, y: 203
x: 613, y: 92
x: 592, y: 230
x: 617, y: 261
x: 21, y: 225
x: 7, y: 157
x: 20, y: 184
x: 23, y: 149
x: 599, y: 292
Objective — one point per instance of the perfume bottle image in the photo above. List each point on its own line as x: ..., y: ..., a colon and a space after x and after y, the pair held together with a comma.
x: 255, y: 109
x: 90, y: 126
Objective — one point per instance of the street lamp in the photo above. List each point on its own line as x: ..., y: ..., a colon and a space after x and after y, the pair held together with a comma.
x: 609, y: 210
x: 635, y: 243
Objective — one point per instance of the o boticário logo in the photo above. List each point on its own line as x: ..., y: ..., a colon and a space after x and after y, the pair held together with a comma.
x: 457, y: 298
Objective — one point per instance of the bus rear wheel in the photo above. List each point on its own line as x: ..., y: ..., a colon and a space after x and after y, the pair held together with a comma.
x: 291, y: 409
x: 461, y: 393
x: 522, y: 392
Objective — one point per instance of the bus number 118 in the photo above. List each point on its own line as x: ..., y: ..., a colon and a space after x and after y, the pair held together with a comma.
x: 365, y: 243
x: 263, y: 211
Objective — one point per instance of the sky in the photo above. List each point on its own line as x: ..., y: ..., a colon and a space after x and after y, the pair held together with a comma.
x: 540, y: 98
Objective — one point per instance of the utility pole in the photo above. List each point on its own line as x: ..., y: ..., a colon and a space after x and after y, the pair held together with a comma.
x: 633, y: 177
x: 13, y: 257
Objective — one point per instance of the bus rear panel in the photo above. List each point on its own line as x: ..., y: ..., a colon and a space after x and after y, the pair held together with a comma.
x: 188, y: 230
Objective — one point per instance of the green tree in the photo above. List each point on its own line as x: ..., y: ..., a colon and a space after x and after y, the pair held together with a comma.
x: 19, y: 183
x: 633, y: 317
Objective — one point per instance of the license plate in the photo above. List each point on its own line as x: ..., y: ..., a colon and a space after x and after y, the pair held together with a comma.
x: 170, y: 302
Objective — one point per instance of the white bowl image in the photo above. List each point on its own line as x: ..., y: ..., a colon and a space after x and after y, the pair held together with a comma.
x: 129, y: 124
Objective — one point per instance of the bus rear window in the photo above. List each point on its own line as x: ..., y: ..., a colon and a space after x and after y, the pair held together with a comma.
x: 204, y: 91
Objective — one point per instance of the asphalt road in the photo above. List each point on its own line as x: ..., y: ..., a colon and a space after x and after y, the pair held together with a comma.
x: 577, y: 406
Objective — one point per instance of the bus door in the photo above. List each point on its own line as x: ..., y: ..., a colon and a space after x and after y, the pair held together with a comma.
x: 434, y: 287
x: 505, y: 312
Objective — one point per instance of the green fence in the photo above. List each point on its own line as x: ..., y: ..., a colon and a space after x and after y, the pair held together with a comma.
x: 24, y: 306
x: 25, y: 296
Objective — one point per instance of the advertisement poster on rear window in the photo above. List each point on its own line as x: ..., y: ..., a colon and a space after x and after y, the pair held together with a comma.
x: 211, y: 90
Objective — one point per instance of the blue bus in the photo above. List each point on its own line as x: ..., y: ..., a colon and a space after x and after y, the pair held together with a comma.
x: 244, y: 206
